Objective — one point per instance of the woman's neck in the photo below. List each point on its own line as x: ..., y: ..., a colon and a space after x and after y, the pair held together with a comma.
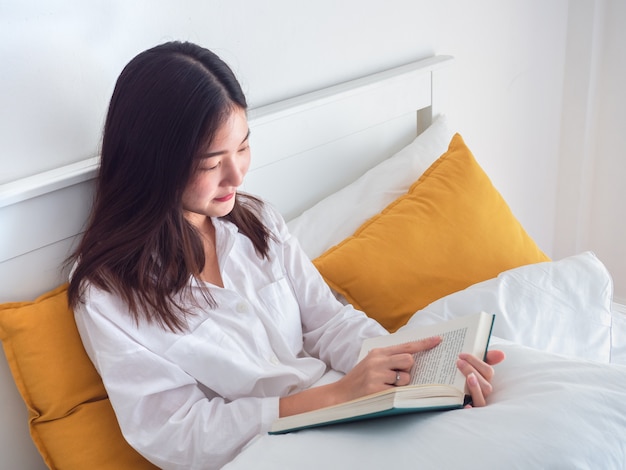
x: 211, y: 271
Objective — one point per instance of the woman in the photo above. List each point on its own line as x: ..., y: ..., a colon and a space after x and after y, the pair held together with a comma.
x: 200, y: 312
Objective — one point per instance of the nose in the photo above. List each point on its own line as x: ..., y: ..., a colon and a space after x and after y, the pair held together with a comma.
x: 234, y: 172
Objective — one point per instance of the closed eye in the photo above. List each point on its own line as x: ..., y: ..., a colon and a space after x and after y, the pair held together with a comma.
x: 245, y: 143
x: 208, y: 166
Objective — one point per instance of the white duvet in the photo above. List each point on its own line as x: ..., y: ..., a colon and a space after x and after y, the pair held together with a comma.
x: 559, y: 399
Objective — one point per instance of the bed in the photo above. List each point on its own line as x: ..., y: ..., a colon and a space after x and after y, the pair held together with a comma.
x: 360, y: 169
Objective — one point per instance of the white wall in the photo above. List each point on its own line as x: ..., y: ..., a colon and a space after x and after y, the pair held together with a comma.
x: 521, y: 66
x: 591, y: 191
x: 607, y: 234
x: 60, y: 60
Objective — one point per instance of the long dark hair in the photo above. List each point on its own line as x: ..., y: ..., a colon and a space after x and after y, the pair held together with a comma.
x: 167, y: 102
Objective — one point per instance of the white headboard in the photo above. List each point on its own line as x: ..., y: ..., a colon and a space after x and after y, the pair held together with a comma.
x: 304, y: 149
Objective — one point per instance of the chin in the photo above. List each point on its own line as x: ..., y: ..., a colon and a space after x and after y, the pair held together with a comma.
x: 224, y: 209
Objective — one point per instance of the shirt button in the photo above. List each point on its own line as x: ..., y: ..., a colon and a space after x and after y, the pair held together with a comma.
x: 242, y: 307
x: 274, y: 360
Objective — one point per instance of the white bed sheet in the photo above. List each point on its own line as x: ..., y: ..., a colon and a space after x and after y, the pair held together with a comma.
x: 539, y: 417
x: 560, y: 408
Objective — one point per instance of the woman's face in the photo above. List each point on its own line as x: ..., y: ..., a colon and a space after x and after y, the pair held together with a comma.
x: 222, y: 167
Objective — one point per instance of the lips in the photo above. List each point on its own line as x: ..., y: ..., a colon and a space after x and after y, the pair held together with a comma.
x: 226, y: 198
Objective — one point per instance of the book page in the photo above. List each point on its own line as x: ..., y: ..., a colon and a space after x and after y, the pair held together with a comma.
x: 438, y: 365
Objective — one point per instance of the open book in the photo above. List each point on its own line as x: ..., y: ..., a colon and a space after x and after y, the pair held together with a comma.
x: 436, y: 382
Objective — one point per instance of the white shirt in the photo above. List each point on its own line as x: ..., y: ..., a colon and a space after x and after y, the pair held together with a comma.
x: 192, y: 400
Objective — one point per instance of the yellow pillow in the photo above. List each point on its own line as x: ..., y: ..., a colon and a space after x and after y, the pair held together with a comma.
x: 451, y: 230
x: 70, y: 417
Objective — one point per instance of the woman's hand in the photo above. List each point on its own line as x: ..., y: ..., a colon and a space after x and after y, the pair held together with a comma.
x: 479, y: 375
x: 388, y: 367
x: 383, y: 368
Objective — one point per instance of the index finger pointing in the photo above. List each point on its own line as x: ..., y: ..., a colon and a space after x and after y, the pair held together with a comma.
x: 415, y: 346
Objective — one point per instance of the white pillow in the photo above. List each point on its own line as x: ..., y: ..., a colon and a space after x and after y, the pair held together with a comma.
x: 563, y: 307
x: 340, y: 214
x: 618, y: 337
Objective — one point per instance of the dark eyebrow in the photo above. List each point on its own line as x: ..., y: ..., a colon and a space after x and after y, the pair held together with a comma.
x: 220, y: 152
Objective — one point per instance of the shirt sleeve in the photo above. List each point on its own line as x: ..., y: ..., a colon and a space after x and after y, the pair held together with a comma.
x: 332, y: 331
x: 162, y: 411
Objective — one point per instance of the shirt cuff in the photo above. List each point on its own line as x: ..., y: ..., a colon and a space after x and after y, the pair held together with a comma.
x: 269, y: 413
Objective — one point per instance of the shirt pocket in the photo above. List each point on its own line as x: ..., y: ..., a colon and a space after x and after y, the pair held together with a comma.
x: 282, y: 315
